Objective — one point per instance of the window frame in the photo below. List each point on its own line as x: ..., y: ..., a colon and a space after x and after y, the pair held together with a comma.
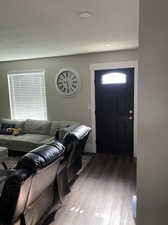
x: 10, y: 89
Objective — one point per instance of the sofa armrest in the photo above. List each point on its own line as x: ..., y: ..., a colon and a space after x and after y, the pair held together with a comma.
x: 63, y: 131
x: 46, y: 141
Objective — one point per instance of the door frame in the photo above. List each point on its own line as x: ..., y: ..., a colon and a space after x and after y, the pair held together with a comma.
x: 114, y: 65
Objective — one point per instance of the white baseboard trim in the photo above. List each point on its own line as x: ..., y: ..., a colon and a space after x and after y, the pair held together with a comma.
x: 89, y: 148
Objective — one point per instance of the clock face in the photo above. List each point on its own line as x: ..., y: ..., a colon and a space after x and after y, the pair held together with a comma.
x: 67, y: 82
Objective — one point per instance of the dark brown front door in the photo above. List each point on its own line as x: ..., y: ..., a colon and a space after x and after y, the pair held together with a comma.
x: 114, y: 95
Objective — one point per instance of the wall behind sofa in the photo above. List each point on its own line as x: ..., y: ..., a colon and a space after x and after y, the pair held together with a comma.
x: 61, y: 108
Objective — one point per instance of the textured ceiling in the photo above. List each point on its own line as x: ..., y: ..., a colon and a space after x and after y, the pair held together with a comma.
x: 42, y: 28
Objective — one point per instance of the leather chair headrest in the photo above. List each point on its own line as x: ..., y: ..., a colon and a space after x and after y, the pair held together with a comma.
x: 55, y: 143
x: 32, y: 162
x: 41, y: 157
x: 50, y: 152
x: 78, y: 134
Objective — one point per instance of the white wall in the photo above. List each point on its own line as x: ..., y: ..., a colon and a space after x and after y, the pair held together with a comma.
x: 152, y: 172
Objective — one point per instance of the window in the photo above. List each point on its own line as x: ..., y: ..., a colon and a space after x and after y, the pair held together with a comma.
x: 114, y: 78
x: 27, y: 95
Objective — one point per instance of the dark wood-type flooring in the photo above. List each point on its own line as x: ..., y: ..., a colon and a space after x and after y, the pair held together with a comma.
x: 101, y: 195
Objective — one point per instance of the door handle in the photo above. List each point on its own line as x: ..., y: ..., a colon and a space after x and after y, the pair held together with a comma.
x: 130, y: 111
x: 130, y: 117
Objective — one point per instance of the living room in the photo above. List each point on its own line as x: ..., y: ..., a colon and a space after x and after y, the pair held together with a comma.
x: 77, y: 175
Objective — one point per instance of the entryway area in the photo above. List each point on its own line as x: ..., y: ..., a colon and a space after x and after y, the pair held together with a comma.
x: 114, y: 107
x: 114, y: 130
x: 114, y: 98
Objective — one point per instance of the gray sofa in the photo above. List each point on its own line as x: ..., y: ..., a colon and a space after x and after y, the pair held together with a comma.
x: 35, y: 133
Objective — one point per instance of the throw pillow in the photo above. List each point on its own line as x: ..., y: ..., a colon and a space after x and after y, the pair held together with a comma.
x: 3, y: 131
x: 4, y: 128
x: 6, y: 125
x: 14, y: 131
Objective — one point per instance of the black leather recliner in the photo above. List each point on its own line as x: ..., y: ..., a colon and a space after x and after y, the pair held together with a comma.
x: 30, y: 193
x: 74, y: 143
x: 40, y: 179
x: 14, y: 197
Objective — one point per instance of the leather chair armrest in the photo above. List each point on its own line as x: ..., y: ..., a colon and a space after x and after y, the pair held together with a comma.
x: 3, y: 177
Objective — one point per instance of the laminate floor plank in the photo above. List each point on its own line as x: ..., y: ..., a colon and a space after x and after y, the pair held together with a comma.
x: 102, y: 194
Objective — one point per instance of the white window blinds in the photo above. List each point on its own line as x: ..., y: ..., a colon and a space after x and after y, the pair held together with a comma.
x: 27, y: 95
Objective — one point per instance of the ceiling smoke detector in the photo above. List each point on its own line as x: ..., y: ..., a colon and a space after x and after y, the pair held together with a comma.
x: 108, y: 45
x: 85, y: 14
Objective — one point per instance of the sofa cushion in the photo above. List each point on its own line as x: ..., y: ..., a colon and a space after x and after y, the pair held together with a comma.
x: 4, y: 139
x: 24, y: 142
x: 28, y: 139
x: 37, y: 127
x: 18, y: 123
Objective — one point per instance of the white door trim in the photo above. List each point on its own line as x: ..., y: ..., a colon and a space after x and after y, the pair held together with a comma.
x: 114, y: 65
